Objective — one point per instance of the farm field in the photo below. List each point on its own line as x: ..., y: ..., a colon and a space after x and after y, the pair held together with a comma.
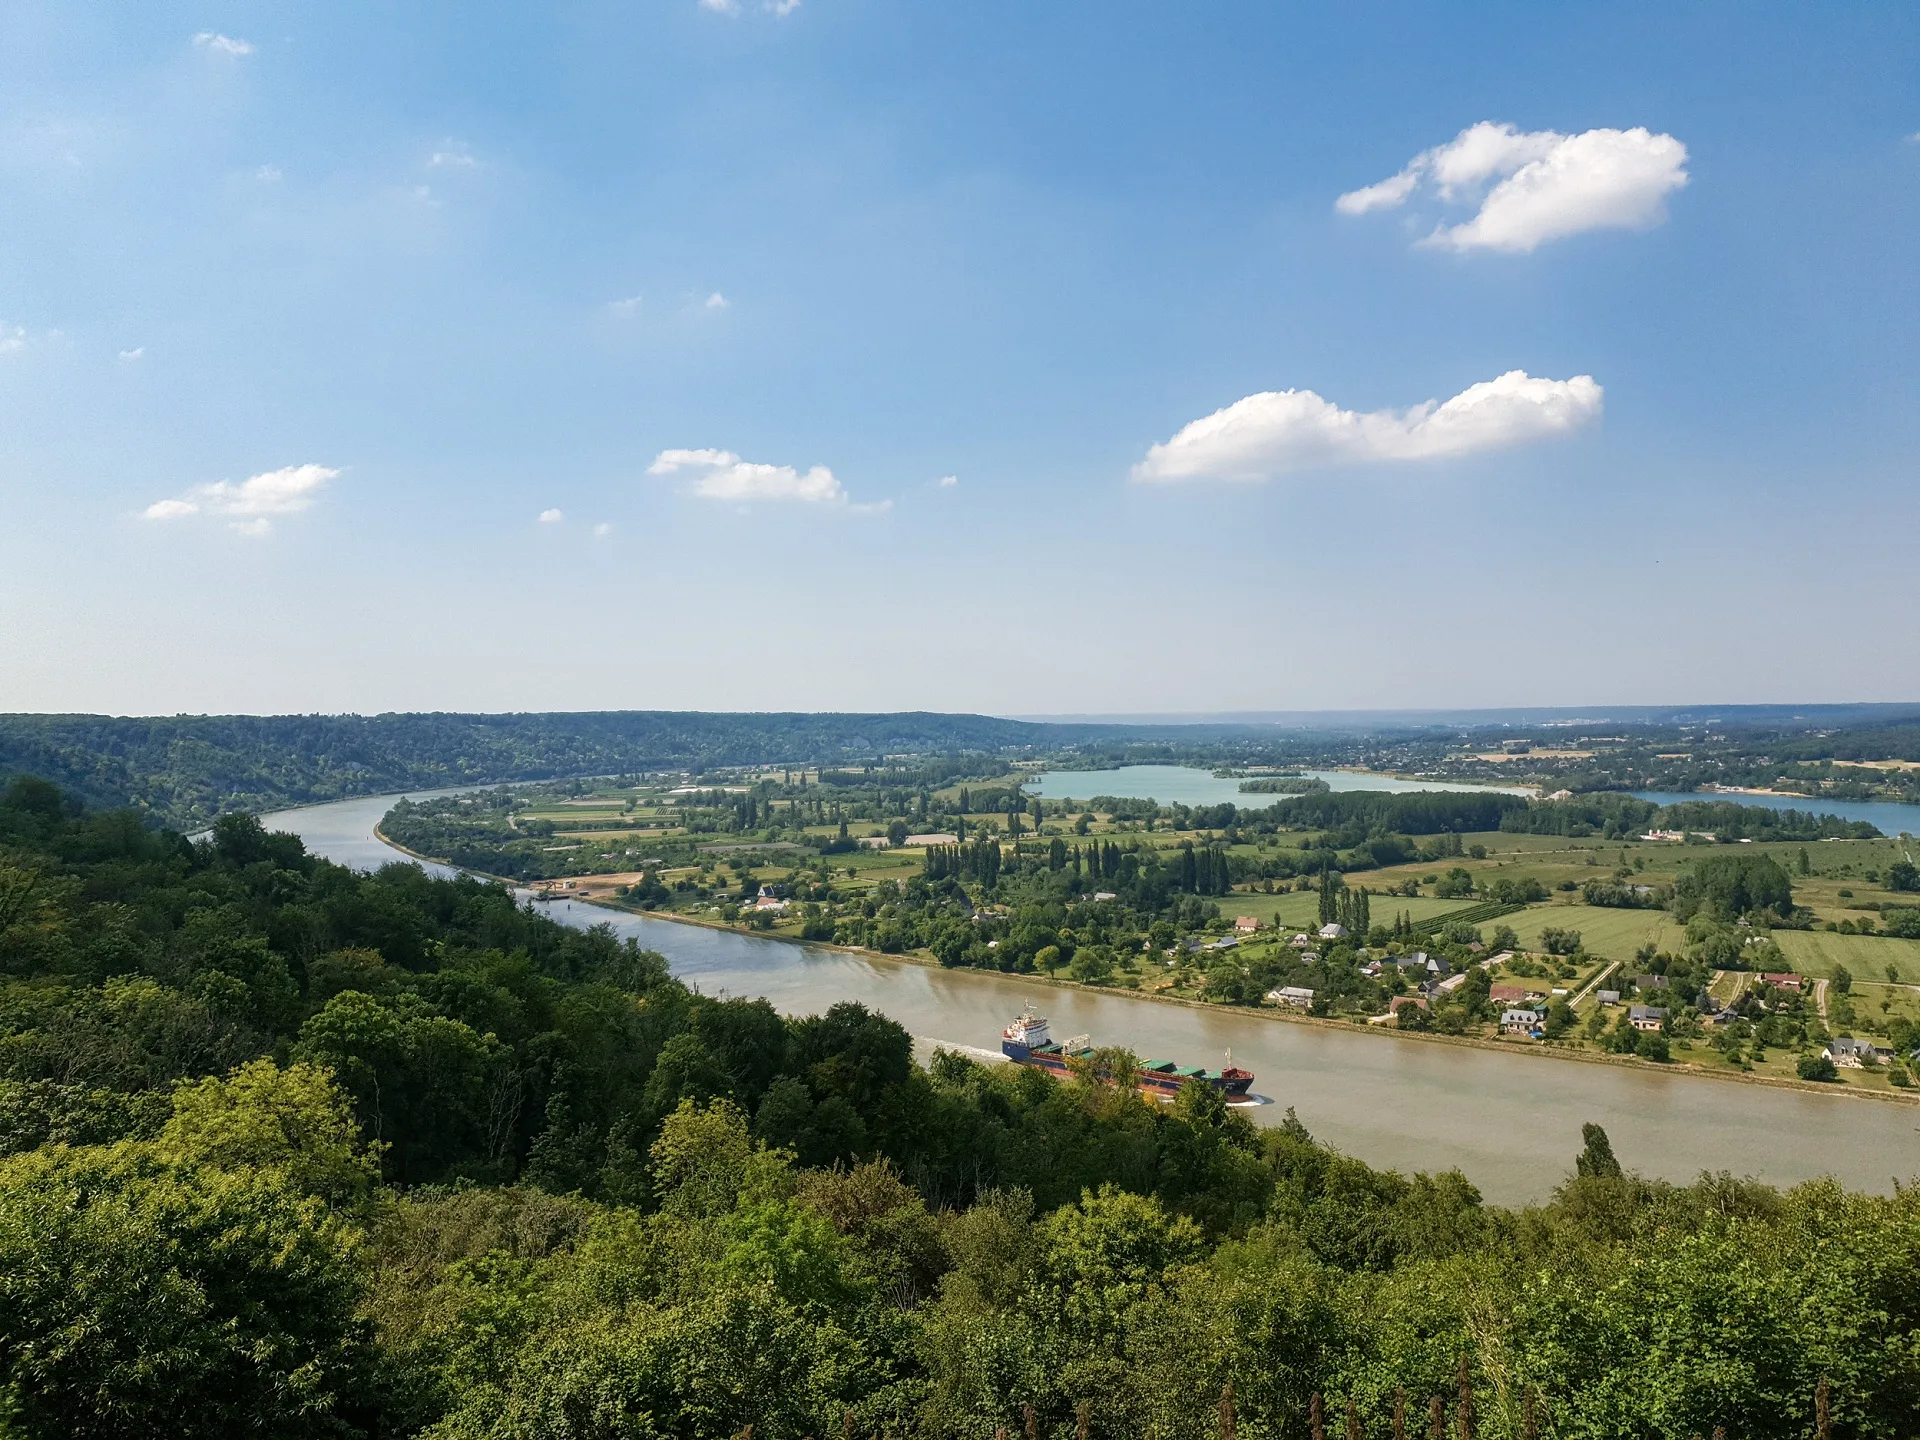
x: 1300, y: 910
x: 1816, y: 952
x: 1614, y: 934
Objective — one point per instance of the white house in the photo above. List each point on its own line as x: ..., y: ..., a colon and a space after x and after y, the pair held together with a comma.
x: 1519, y: 1021
x: 1297, y: 997
x: 1333, y: 932
x: 1645, y: 1017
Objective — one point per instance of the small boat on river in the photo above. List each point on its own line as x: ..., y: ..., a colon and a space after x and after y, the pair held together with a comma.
x: 1026, y: 1042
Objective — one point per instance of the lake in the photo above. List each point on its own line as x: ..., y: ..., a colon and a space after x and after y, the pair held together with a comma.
x: 1186, y: 785
x: 1511, y: 1122
x: 1892, y: 817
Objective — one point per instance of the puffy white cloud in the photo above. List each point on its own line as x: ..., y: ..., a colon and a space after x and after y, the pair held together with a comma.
x: 127, y: 357
x: 717, y: 301
x: 455, y: 156
x: 249, y: 505
x: 222, y: 44
x: 552, y: 517
x: 723, y: 475
x: 603, y: 530
x: 1278, y: 431
x: 12, y: 338
x: 947, y: 482
x: 1543, y: 185
x: 721, y: 7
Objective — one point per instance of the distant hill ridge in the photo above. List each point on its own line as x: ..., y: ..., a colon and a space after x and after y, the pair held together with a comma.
x: 187, y: 769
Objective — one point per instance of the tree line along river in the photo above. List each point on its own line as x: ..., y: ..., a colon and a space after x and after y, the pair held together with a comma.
x: 1511, y: 1122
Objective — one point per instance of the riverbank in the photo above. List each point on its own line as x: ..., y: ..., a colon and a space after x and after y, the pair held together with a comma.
x: 1546, y: 1050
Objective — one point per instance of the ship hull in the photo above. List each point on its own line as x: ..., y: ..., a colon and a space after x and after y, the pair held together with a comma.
x: 1163, y: 1084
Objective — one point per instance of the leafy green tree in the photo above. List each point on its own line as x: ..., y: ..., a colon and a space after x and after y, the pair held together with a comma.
x: 139, y: 1297
x: 294, y: 1122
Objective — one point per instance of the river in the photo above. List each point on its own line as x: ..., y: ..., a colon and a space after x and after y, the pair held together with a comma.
x: 1511, y: 1122
x: 1891, y: 816
x: 1189, y: 785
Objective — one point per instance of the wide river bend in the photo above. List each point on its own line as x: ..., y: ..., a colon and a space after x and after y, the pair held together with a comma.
x: 1511, y: 1122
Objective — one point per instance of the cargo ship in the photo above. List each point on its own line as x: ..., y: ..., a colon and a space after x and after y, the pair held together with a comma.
x: 1025, y: 1042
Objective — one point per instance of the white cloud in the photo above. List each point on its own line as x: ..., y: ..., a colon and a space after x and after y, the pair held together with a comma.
x: 267, y: 174
x: 723, y: 475
x: 222, y: 44
x: 1275, y: 432
x: 251, y: 504
x: 782, y: 8
x: 12, y: 338
x: 129, y: 356
x: 717, y: 301
x: 455, y: 156
x: 947, y: 482
x: 602, y: 530
x: 1544, y: 185
x: 552, y: 517
x: 721, y: 7
x: 628, y: 306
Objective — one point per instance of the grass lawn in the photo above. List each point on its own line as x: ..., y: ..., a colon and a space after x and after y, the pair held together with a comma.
x: 1614, y: 934
x: 1816, y: 952
x: 1300, y: 909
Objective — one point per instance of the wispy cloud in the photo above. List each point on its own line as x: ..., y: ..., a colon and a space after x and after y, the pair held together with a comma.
x: 1279, y: 431
x: 127, y: 357
x: 453, y: 155
x: 717, y: 301
x: 782, y: 8
x: 947, y: 482
x: 723, y: 475
x: 222, y: 44
x: 12, y: 338
x: 603, y: 530
x: 552, y: 517
x: 267, y: 174
x: 250, y: 505
x: 1544, y: 185
x: 628, y: 306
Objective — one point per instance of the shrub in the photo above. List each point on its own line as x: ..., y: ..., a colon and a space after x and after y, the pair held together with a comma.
x: 1816, y: 1067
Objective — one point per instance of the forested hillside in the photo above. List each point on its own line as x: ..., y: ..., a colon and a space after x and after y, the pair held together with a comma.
x: 293, y: 1151
x: 186, y: 770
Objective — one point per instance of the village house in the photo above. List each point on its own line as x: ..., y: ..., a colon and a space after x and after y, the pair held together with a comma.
x: 1651, y: 982
x: 1521, y: 1021
x: 1301, y: 942
x: 1296, y: 997
x: 1333, y: 932
x: 1607, y: 997
x: 1646, y: 1017
x: 1855, y: 1054
x: 1400, y: 1002
x: 1784, y: 980
x: 1246, y: 924
x: 1508, y: 994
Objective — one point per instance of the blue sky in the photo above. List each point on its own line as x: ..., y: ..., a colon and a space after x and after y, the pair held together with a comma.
x: 309, y: 314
